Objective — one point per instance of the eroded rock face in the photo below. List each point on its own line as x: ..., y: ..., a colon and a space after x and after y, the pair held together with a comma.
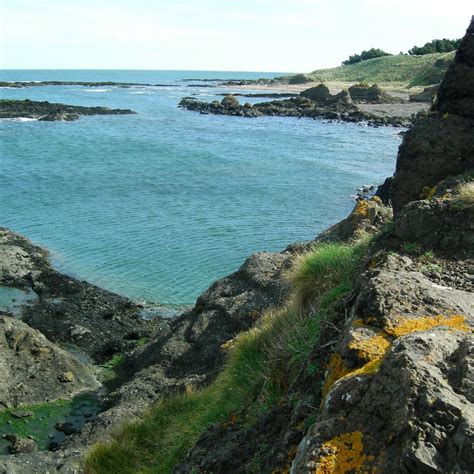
x: 440, y: 144
x: 32, y: 368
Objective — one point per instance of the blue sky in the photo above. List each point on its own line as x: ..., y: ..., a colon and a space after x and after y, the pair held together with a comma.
x: 250, y: 35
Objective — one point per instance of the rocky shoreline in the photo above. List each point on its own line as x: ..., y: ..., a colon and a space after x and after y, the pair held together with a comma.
x: 316, y: 102
x: 50, y: 112
x: 388, y: 383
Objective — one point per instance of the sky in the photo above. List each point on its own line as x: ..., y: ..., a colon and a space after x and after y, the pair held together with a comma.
x: 218, y: 35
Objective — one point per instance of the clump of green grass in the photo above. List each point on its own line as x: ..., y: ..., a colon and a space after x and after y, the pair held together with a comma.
x: 328, y: 267
x: 262, y: 365
x: 412, y: 248
x: 114, y: 361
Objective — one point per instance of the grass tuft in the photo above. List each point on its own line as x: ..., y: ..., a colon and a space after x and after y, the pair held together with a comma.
x: 329, y: 267
x: 466, y: 192
x: 263, y: 363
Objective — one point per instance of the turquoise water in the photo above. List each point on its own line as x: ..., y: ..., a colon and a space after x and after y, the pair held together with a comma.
x: 158, y: 205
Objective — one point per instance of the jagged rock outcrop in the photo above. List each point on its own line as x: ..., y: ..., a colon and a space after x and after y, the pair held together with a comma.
x: 456, y: 92
x: 440, y: 143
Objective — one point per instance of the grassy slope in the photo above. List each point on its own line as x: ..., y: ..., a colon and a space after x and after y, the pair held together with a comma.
x: 262, y: 364
x: 411, y: 70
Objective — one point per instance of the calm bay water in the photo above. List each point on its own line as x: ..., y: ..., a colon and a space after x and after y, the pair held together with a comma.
x: 158, y: 205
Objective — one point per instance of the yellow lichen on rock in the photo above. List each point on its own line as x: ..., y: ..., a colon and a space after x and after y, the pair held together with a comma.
x: 361, y: 208
x: 343, y: 454
x: 372, y: 348
x: 336, y: 370
x: 402, y: 327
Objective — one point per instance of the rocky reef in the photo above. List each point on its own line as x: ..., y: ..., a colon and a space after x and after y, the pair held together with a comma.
x: 315, y: 102
x: 349, y: 353
x: 49, y: 112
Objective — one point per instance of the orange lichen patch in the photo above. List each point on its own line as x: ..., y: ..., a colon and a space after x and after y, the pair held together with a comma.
x: 402, y: 327
x: 336, y: 370
x: 344, y: 454
x: 361, y: 208
x: 372, y: 348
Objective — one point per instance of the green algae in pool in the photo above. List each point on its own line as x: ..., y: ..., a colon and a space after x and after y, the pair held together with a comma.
x: 12, y: 299
x: 67, y: 415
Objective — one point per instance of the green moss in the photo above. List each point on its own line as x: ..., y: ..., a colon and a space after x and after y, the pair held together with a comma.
x: 41, y: 425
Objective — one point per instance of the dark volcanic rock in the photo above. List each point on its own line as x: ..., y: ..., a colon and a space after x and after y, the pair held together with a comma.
x: 456, y: 92
x: 46, y: 111
x: 441, y: 143
x: 316, y: 102
x: 319, y: 93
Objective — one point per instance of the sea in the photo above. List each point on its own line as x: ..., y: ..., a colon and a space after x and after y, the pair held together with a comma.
x: 158, y: 205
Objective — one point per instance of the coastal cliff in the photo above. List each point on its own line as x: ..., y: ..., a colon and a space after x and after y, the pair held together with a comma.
x: 349, y: 353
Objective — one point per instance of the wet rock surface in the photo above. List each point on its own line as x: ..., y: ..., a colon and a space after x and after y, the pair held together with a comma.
x: 49, y: 112
x: 67, y: 310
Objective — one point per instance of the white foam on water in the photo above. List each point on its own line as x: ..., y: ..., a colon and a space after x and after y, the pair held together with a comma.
x: 98, y: 90
x: 19, y: 119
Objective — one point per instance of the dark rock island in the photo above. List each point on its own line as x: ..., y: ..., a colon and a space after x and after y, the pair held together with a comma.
x: 49, y: 112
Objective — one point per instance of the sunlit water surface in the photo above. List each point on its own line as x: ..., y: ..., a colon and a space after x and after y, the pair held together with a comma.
x: 159, y: 204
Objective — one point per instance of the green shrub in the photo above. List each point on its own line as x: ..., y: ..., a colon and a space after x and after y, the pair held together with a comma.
x: 372, y: 53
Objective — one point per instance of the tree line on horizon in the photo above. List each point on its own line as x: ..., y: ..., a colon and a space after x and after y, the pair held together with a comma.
x: 435, y: 46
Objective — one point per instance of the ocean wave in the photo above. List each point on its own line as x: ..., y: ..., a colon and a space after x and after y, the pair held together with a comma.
x: 19, y: 119
x: 97, y: 90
